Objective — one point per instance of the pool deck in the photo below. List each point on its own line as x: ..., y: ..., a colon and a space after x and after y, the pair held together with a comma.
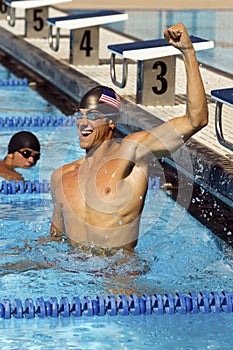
x: 207, y: 154
x: 149, y: 4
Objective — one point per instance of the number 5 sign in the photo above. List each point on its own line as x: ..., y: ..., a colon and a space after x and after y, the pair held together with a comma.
x: 35, y: 15
x: 2, y: 10
x: 35, y: 23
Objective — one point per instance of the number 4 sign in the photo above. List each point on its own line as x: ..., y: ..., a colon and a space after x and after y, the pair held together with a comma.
x: 84, y: 44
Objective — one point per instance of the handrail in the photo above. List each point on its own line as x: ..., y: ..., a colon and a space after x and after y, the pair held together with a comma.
x: 219, y: 127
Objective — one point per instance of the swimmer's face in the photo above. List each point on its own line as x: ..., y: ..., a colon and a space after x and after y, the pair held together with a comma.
x: 94, y: 127
x: 25, y: 158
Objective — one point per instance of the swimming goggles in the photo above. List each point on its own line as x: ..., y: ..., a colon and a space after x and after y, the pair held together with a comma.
x: 94, y: 115
x: 27, y: 154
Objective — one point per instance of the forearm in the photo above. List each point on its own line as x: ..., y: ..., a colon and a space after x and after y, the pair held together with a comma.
x: 196, y: 116
x: 197, y: 111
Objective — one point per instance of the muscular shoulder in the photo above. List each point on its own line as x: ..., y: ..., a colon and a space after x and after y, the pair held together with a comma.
x: 134, y: 148
x: 60, y: 172
x: 9, y: 174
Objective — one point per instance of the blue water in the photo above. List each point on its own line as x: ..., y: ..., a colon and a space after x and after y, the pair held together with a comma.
x: 178, y: 332
x: 179, y: 254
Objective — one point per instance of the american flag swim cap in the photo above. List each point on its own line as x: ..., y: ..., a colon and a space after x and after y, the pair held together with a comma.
x: 101, y: 98
x: 111, y: 98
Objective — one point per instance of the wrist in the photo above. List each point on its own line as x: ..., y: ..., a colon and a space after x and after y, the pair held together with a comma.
x: 188, y: 51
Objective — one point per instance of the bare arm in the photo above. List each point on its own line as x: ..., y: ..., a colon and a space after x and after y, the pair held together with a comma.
x: 197, y: 113
x: 168, y: 137
x: 9, y: 174
x: 57, y: 228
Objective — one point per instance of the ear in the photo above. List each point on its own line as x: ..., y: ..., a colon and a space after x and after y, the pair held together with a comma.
x: 10, y: 155
x: 112, y: 125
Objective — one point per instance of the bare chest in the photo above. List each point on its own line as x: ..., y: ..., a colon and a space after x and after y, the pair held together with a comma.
x: 95, y: 187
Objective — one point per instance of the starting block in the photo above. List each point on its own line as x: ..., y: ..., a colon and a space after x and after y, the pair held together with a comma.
x: 222, y: 96
x: 156, y: 67
x: 84, y: 34
x: 36, y: 13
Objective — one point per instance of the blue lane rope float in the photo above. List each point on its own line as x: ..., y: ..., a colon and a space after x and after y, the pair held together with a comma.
x: 14, y: 82
x: 36, y: 186
x: 146, y: 304
x: 45, y: 120
x: 154, y: 183
x: 13, y: 187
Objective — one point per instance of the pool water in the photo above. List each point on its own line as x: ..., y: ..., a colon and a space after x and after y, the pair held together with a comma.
x: 183, y: 332
x: 176, y: 251
x: 177, y: 261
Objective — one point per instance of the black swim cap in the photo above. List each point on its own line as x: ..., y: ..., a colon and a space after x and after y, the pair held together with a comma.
x: 23, y: 139
x: 102, y: 98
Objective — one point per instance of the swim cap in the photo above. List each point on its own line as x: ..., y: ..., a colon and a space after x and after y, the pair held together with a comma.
x: 23, y: 139
x: 102, y: 98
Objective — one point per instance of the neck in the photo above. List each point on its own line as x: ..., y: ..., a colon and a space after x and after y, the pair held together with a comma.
x: 99, y: 149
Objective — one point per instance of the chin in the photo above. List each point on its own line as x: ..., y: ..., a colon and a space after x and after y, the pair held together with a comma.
x: 84, y: 144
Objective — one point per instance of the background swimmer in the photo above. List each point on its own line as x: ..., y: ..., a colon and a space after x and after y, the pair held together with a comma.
x: 23, y: 152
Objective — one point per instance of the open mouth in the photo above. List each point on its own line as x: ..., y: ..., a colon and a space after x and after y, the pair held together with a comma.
x: 86, y: 133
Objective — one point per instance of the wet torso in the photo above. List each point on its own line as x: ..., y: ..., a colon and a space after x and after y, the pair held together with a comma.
x: 101, y: 197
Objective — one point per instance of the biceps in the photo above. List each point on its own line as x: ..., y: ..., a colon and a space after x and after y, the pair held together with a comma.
x: 144, y: 146
x: 160, y: 141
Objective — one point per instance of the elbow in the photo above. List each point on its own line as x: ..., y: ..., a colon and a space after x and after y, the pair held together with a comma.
x: 204, y: 122
x: 201, y: 120
x: 205, y: 119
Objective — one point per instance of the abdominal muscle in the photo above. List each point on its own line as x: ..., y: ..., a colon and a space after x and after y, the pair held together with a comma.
x: 99, y: 222
x: 111, y: 237
x: 90, y: 220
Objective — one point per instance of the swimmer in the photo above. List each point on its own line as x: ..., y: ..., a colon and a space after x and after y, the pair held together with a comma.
x: 98, y: 199
x: 23, y: 152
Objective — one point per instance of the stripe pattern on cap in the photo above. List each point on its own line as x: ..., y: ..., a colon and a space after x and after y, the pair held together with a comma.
x: 110, y: 98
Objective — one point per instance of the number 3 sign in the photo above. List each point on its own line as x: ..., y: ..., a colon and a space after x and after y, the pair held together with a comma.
x: 156, y: 81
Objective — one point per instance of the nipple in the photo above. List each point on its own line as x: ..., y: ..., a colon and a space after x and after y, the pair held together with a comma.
x: 107, y: 190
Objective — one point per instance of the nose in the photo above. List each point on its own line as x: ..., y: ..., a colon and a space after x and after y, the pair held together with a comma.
x: 31, y: 159
x: 82, y: 127
x: 82, y: 123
